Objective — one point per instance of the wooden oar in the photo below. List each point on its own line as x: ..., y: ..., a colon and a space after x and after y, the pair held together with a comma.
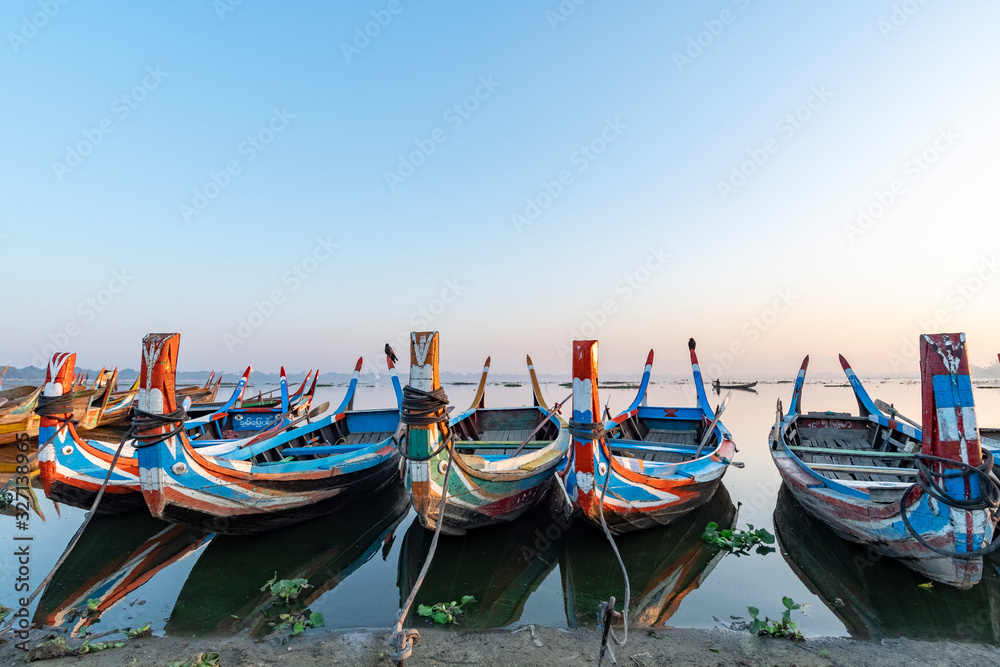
x: 555, y: 410
x: 894, y: 413
x: 711, y: 427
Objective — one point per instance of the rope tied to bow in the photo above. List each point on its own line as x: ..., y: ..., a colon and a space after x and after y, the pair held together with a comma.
x: 587, y: 430
x: 422, y: 408
x: 143, y: 422
x: 989, y: 495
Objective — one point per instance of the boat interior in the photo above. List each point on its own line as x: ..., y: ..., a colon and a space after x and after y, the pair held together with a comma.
x: 659, y: 440
x: 845, y: 447
x: 496, y: 433
x: 359, y: 429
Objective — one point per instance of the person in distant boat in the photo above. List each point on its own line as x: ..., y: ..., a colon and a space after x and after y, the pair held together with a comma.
x: 389, y: 353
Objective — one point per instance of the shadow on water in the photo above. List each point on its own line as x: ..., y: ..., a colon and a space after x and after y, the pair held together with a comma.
x: 115, y: 556
x: 501, y: 566
x: 877, y: 597
x: 223, y: 595
x: 664, y: 565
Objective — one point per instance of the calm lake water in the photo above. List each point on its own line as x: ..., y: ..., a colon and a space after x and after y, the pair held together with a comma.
x: 360, y: 564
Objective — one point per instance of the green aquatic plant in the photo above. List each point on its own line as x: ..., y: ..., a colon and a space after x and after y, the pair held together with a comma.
x: 739, y: 542
x: 91, y: 615
x: 94, y: 647
x: 300, y: 622
x: 286, y: 589
x: 784, y: 628
x: 139, y: 633
x: 445, y: 612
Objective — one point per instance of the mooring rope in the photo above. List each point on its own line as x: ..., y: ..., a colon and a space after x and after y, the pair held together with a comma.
x: 49, y: 407
x: 421, y: 408
x: 607, y: 610
x: 989, y: 489
x: 587, y: 430
x: 141, y: 421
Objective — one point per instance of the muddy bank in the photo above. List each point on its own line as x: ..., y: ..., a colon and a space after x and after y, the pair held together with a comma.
x: 531, y: 646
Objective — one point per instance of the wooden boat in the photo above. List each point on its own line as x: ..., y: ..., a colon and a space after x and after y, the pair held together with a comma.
x: 502, y: 459
x: 298, y: 474
x: 872, y: 482
x: 501, y: 567
x: 17, y: 416
x: 718, y: 386
x: 887, y: 415
x: 664, y: 565
x: 223, y: 594
x: 118, y: 407
x: 301, y: 397
x: 658, y: 464
x: 877, y: 597
x: 235, y: 419
x: 72, y: 469
x: 115, y: 557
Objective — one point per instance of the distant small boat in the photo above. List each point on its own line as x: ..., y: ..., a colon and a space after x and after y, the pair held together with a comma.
x: 502, y: 459
x: 718, y: 386
x: 657, y: 463
x: 904, y: 494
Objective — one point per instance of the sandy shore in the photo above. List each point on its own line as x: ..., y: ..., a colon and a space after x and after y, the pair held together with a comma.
x: 531, y: 646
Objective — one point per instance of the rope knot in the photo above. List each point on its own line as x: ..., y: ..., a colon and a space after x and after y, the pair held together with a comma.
x: 404, y: 641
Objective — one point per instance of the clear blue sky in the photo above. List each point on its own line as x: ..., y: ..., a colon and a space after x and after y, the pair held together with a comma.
x: 643, y: 109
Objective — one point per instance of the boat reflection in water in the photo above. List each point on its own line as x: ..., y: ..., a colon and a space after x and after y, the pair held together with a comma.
x: 664, y: 565
x: 114, y: 557
x: 501, y: 566
x: 223, y: 595
x: 877, y: 597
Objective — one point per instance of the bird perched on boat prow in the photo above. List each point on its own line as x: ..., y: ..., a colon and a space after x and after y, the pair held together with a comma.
x: 691, y: 343
x: 389, y: 353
